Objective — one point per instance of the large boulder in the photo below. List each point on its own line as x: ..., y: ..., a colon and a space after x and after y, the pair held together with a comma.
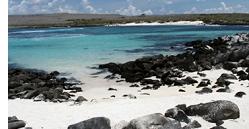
x: 215, y: 111
x: 153, y: 121
x: 93, y: 123
x: 177, y: 114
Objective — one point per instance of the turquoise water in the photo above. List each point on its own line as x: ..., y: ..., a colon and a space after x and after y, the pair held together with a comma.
x: 74, y: 50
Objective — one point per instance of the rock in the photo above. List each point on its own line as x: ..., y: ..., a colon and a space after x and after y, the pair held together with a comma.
x: 215, y: 111
x: 113, y: 96
x: 179, y: 82
x: 167, y: 81
x: 38, y: 85
x: 183, y: 107
x: 144, y: 94
x: 177, y: 114
x: 40, y: 97
x: 242, y: 75
x: 201, y: 74
x: 240, y: 94
x: 112, y: 89
x: 226, y: 89
x: 192, y: 125
x: 134, y: 85
x: 204, y: 90
x: 93, y: 123
x: 228, y: 76
x: 80, y: 99
x: 222, y: 82
x: 153, y: 121
x: 146, y: 88
x: 28, y: 128
x: 12, y: 119
x: 16, y: 124
x: 218, y: 127
x: 190, y: 80
x: 230, y: 65
x: 204, y: 83
x: 130, y: 96
x: 150, y: 81
x: 181, y: 90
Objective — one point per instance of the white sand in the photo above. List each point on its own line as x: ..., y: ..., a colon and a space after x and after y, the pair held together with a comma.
x: 164, y: 23
x: 48, y: 115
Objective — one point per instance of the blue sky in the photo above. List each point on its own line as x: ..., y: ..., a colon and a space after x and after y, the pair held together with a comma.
x: 128, y: 7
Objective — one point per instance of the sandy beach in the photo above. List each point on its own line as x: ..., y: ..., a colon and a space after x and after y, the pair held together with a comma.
x: 49, y: 115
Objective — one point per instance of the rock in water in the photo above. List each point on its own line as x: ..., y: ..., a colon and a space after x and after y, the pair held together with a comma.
x: 93, y: 123
x: 153, y: 121
x: 215, y: 111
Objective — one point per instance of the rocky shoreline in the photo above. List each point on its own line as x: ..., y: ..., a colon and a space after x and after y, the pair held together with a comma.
x: 228, y: 52
x: 40, y: 85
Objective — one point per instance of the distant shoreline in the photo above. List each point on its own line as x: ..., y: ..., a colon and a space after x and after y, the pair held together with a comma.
x: 92, y: 20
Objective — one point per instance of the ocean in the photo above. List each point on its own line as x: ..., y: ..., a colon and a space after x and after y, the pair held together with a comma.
x: 78, y: 50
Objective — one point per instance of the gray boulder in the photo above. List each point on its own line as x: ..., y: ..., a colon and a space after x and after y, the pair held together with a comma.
x: 215, y: 111
x: 153, y: 121
x: 93, y: 123
x: 177, y: 114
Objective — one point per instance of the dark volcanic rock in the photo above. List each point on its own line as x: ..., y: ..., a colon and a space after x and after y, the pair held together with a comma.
x: 39, y: 85
x: 190, y: 80
x: 240, y: 94
x: 155, y: 121
x: 204, y: 83
x: 204, y: 90
x: 14, y: 123
x: 112, y: 89
x: 218, y: 127
x: 181, y: 90
x: 230, y: 65
x: 226, y: 52
x: 215, y: 111
x: 134, y: 85
x: 93, y: 123
x: 226, y: 89
x: 228, y: 76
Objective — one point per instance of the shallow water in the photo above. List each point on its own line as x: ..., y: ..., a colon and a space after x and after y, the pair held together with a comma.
x: 74, y: 50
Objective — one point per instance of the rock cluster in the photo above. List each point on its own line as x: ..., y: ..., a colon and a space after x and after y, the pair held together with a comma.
x: 39, y: 85
x: 228, y: 52
x: 214, y: 112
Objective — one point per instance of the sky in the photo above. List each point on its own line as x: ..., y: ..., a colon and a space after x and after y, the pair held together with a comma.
x: 128, y: 7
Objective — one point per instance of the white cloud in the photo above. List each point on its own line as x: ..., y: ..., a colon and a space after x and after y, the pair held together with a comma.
x: 192, y: 10
x: 132, y: 10
x: 86, y: 4
x: 39, y: 6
